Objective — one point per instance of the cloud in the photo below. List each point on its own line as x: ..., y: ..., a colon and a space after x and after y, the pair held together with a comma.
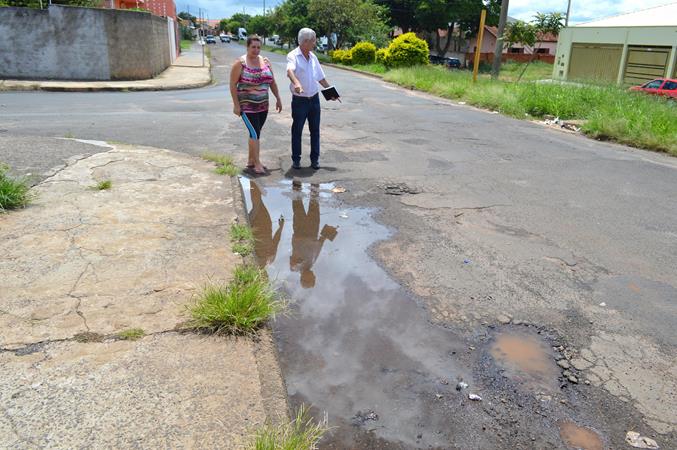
x: 581, y: 10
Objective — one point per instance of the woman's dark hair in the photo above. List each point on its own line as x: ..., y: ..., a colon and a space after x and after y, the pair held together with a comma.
x: 253, y: 37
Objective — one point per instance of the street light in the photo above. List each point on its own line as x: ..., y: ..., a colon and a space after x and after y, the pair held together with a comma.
x: 566, y: 21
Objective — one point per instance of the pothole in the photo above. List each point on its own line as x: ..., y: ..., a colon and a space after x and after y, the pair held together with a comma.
x: 577, y: 437
x: 526, y: 359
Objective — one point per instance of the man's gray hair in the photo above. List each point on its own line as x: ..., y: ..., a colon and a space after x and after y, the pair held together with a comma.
x: 306, y: 34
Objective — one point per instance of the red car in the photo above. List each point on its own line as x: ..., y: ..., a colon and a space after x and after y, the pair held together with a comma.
x: 662, y: 86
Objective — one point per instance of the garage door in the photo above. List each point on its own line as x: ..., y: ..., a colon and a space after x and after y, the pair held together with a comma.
x: 645, y: 64
x: 595, y: 62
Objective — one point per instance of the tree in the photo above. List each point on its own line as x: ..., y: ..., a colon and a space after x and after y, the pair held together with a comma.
x: 289, y: 17
x: 261, y: 25
x: 350, y: 20
x: 460, y: 15
x: 528, y: 34
x: 241, y: 18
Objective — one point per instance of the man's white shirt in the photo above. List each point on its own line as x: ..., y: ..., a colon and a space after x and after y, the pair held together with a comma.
x: 307, y: 71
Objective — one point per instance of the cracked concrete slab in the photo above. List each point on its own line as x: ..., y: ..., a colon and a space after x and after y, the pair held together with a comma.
x: 80, y: 260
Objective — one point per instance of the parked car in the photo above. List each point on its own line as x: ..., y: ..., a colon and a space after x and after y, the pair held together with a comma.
x: 664, y: 87
x: 450, y: 63
x: 224, y: 38
x: 210, y: 39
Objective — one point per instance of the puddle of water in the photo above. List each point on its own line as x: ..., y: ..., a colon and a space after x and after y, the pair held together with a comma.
x: 576, y: 437
x: 354, y: 343
x: 526, y: 359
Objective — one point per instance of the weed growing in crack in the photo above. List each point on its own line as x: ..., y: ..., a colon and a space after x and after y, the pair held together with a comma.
x: 224, y: 163
x: 13, y: 191
x: 131, y: 334
x: 242, y: 238
x: 69, y: 135
x: 240, y: 307
x: 302, y: 433
x: 103, y: 185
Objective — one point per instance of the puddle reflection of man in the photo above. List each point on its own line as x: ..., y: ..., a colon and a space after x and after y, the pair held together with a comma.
x: 306, y: 245
x: 265, y: 243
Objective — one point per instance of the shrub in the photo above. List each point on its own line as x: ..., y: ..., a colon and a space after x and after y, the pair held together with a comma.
x: 338, y: 55
x: 407, y: 50
x: 363, y: 53
x: 381, y: 55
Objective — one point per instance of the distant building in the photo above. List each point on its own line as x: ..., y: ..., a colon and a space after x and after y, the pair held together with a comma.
x: 626, y: 49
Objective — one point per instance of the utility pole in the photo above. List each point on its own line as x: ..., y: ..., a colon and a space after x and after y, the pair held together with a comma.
x: 566, y: 21
x: 498, y: 51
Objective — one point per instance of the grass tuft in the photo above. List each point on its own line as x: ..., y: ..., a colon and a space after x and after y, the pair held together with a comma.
x: 103, y: 185
x: 224, y: 163
x: 242, y: 238
x: 302, y: 433
x: 240, y: 307
x: 131, y: 334
x: 13, y: 191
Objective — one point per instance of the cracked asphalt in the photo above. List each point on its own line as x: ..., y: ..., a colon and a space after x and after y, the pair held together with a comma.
x: 514, y: 224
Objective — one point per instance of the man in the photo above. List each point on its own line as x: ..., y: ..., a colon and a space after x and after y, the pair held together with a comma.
x: 304, y: 71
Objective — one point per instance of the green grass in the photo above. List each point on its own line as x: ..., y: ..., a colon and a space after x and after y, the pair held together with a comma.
x: 103, y: 185
x: 186, y: 44
x: 609, y: 112
x: 224, y: 163
x: 14, y: 192
x: 240, y: 307
x: 242, y: 238
x: 302, y: 433
x: 69, y: 135
x: 131, y: 334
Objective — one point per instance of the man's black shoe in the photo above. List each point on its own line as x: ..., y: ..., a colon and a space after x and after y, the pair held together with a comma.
x: 296, y: 166
x: 315, y: 166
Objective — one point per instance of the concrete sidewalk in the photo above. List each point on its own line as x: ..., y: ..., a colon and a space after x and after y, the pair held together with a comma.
x: 187, y: 72
x: 79, y: 266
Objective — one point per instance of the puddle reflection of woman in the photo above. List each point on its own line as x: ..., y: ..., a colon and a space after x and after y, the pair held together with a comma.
x: 250, y: 78
x: 265, y: 243
x: 306, y: 245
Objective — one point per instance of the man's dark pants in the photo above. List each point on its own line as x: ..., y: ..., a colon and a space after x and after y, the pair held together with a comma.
x: 302, y: 109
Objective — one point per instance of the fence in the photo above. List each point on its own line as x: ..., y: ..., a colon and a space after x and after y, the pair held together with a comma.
x: 73, y: 43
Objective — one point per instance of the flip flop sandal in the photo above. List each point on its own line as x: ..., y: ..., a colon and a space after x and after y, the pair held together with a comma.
x: 251, y: 166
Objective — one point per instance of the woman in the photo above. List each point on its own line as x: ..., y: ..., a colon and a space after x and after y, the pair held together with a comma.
x: 250, y: 78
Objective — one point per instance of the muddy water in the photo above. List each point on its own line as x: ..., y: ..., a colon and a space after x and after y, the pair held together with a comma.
x: 577, y: 437
x: 355, y: 345
x: 526, y: 358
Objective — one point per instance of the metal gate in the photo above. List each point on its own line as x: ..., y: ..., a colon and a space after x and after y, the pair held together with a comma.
x: 645, y: 64
x: 595, y: 62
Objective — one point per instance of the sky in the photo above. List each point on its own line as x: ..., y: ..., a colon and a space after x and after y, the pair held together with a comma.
x: 581, y: 10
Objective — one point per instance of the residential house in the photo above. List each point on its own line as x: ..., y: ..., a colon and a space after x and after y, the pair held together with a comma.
x: 625, y: 49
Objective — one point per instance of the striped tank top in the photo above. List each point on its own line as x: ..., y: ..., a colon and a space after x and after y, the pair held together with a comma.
x: 252, y: 87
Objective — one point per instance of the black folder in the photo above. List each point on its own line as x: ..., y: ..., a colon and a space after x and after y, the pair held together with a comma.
x: 330, y: 93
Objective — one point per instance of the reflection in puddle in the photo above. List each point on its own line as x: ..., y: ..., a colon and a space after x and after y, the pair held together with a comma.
x: 577, y: 437
x: 526, y: 359
x: 354, y: 341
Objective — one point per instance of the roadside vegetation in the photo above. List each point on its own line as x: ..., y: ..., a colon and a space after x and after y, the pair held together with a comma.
x: 242, y: 239
x: 239, y: 307
x: 302, y: 433
x: 186, y: 44
x: 606, y: 112
x: 14, y: 192
x: 224, y: 163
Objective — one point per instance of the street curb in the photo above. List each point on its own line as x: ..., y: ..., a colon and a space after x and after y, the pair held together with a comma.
x: 273, y: 386
x: 350, y: 69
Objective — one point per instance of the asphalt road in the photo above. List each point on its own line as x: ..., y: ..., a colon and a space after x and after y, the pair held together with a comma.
x: 511, y: 220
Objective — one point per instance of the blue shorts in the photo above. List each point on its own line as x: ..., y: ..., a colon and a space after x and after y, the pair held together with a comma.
x: 254, y: 123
